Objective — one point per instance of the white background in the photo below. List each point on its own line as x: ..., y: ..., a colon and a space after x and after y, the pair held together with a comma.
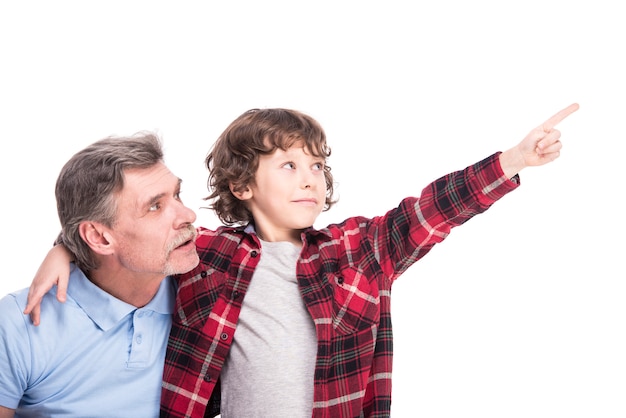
x: 521, y: 312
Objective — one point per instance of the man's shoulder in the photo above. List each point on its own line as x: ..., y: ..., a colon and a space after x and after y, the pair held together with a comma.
x: 13, y: 302
x: 12, y: 307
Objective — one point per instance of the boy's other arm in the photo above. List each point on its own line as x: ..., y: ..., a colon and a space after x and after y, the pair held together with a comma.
x: 6, y: 412
x: 539, y: 147
x: 55, y: 269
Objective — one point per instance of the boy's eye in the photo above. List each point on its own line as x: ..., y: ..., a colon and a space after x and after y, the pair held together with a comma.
x: 290, y: 166
x: 318, y: 166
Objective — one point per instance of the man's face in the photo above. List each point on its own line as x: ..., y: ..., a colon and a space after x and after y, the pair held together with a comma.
x: 153, y: 231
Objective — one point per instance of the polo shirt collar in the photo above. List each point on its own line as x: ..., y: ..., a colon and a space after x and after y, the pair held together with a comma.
x: 105, y: 310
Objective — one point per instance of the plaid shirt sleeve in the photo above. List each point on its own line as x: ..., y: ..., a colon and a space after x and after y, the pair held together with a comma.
x: 410, y: 231
x: 347, y: 271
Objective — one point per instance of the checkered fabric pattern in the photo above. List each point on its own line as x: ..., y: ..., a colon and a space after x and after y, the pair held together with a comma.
x: 345, y: 273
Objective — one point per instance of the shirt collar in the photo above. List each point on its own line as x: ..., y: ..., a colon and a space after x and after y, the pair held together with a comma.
x: 106, y: 310
x: 249, y: 229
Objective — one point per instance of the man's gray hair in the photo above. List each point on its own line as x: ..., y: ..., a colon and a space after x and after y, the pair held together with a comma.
x: 88, y: 182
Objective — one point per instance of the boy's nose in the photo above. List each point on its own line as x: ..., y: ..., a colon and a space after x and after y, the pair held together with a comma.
x: 307, y: 180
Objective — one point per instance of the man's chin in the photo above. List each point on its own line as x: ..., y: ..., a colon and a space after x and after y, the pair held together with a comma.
x: 181, y: 264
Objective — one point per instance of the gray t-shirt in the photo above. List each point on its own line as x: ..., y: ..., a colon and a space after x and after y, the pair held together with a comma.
x: 269, y: 370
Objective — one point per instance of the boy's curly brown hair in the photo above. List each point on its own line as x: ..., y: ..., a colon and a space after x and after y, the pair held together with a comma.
x: 234, y: 158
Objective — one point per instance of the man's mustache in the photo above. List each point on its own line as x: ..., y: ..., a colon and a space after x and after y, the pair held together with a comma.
x: 189, y: 234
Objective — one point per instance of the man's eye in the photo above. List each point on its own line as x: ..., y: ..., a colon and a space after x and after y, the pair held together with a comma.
x: 155, y: 207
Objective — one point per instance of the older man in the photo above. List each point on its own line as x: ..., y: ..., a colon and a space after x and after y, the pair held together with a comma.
x: 101, y: 353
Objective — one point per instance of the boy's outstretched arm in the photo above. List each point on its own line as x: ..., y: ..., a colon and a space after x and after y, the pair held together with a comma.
x: 55, y: 269
x: 540, y: 146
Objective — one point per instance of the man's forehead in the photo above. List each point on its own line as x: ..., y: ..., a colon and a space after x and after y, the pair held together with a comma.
x: 144, y: 185
x: 145, y: 172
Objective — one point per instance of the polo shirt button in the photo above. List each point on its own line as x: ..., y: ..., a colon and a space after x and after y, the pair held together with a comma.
x: 224, y: 336
x: 203, y: 274
x: 254, y: 253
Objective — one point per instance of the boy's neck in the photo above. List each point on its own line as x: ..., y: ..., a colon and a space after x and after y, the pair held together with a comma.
x: 292, y: 236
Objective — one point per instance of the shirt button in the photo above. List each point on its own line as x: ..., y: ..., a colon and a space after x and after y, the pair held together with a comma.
x: 207, y: 378
x: 235, y: 295
x: 138, y: 339
x: 224, y: 336
x: 203, y: 274
x: 254, y: 253
x: 340, y: 280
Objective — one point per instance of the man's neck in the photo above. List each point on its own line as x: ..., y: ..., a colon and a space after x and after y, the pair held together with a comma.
x: 134, y: 289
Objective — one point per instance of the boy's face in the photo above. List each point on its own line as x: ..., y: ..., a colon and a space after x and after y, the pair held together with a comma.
x: 288, y: 194
x: 153, y: 233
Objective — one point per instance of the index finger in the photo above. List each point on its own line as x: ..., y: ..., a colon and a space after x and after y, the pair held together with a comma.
x: 557, y: 118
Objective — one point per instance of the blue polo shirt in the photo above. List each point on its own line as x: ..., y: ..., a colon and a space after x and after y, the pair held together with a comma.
x: 92, y: 356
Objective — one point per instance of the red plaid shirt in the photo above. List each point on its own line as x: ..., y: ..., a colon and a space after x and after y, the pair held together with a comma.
x: 345, y: 273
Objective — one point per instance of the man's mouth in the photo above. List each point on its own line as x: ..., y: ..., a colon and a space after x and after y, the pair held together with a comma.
x: 185, y: 241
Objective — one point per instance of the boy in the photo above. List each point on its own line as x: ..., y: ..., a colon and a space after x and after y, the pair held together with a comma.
x: 275, y: 307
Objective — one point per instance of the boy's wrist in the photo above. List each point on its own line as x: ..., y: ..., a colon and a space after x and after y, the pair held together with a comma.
x: 512, y: 162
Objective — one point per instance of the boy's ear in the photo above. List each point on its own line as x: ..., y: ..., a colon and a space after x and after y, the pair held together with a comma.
x: 96, y: 236
x: 241, y: 192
